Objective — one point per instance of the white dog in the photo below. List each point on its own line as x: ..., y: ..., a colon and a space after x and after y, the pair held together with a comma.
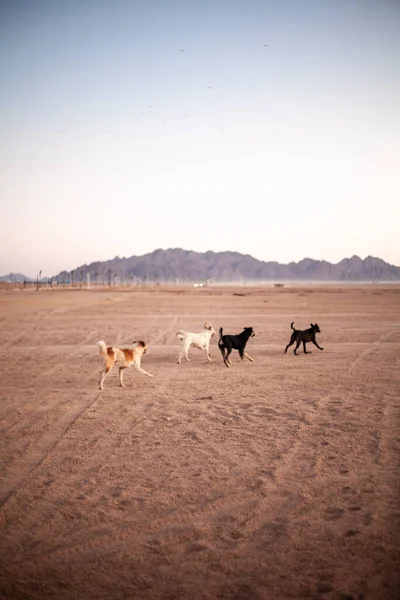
x: 198, y: 340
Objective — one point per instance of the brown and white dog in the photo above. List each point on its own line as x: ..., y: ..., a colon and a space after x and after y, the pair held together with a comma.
x: 123, y: 358
x: 198, y: 340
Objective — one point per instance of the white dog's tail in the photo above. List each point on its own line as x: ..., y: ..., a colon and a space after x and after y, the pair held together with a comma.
x: 181, y: 334
x: 102, y: 348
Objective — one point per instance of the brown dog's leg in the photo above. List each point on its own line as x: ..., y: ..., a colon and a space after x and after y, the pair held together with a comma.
x: 103, y: 375
x: 137, y: 366
x: 121, y: 377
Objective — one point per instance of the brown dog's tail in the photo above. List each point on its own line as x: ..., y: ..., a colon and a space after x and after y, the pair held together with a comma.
x: 102, y: 348
x: 291, y: 325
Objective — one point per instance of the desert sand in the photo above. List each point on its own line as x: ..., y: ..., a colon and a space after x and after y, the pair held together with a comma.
x: 277, y: 479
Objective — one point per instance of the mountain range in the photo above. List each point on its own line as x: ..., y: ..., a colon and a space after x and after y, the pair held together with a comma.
x: 177, y: 265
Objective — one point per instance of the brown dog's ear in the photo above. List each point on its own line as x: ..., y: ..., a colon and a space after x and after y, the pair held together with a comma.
x: 134, y: 342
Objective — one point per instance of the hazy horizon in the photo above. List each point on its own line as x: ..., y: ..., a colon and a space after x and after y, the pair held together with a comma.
x: 266, y: 128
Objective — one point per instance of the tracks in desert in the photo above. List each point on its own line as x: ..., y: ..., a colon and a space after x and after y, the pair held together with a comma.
x: 30, y: 463
x: 244, y: 512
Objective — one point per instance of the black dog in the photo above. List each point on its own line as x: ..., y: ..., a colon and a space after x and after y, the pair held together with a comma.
x: 227, y: 343
x: 307, y: 335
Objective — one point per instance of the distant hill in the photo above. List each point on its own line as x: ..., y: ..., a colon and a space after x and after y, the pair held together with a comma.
x: 177, y: 265
x: 14, y: 278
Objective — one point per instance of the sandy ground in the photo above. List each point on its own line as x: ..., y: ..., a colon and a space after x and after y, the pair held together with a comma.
x: 277, y: 479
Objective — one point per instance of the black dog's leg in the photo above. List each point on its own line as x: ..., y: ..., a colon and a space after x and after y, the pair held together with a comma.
x: 297, y: 345
x: 241, y: 353
x: 292, y: 338
x: 304, y: 348
x: 315, y: 344
x: 222, y: 348
x: 229, y: 349
x: 227, y: 359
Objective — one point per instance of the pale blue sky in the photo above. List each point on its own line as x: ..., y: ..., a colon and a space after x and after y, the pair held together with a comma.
x: 269, y: 128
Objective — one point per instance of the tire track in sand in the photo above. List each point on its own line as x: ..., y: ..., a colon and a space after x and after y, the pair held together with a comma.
x: 265, y: 509
x: 40, y: 316
x: 47, y: 443
x: 280, y: 491
x: 88, y: 338
x: 385, y: 337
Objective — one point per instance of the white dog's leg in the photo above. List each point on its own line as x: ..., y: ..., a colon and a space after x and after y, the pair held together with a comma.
x: 208, y: 354
x: 186, y: 350
x: 137, y: 366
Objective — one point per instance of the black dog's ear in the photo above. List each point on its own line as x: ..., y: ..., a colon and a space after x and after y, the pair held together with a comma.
x: 312, y: 325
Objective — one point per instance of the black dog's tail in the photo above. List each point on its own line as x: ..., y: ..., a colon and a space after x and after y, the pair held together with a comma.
x: 291, y: 325
x: 221, y: 333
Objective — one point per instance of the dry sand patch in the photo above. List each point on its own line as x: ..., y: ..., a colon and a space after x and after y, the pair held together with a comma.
x: 274, y: 479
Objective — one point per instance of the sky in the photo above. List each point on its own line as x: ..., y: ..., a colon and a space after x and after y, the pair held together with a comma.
x: 263, y: 127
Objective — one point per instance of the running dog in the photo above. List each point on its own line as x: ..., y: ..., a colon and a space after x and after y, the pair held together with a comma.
x: 304, y: 336
x: 198, y: 340
x: 123, y: 358
x: 227, y: 343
